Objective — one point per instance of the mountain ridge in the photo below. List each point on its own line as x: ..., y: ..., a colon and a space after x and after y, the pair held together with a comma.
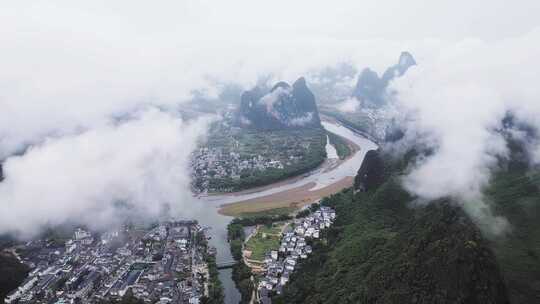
x: 370, y: 89
x: 282, y: 107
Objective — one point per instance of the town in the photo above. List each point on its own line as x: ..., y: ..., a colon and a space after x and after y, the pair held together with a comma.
x: 212, y: 164
x: 279, y: 264
x: 164, y: 263
x: 234, y: 159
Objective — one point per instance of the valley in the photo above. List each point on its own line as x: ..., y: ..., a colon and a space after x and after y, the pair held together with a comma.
x: 293, y: 204
x: 233, y: 159
x: 270, y: 152
x: 311, y: 188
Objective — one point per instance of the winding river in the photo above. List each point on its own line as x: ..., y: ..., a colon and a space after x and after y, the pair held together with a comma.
x: 320, y: 178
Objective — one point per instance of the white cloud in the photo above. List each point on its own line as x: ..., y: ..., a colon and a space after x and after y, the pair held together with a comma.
x: 459, y: 98
x: 270, y: 99
x: 68, y: 70
x: 348, y: 106
x: 141, y: 162
x: 68, y: 67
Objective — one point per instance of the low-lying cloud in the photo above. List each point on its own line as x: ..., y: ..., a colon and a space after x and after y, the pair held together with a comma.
x: 350, y: 105
x: 457, y: 101
x: 98, y: 176
x: 89, y: 99
x: 89, y: 91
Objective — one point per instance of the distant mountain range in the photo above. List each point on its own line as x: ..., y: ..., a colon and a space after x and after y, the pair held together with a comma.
x: 284, y: 106
x: 370, y: 89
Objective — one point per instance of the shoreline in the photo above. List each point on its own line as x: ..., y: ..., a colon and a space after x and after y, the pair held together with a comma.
x: 293, y: 198
x: 326, y: 166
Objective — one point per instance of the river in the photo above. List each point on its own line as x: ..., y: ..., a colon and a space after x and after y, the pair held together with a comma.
x: 320, y: 177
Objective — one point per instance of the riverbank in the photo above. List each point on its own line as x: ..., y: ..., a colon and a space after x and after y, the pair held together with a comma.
x: 214, y: 292
x: 325, y: 166
x: 304, y: 189
x: 293, y: 198
x: 235, y: 159
x: 241, y: 274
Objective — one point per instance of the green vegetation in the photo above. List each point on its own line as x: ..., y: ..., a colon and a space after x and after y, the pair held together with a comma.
x: 236, y: 237
x: 259, y: 220
x: 380, y: 250
x: 312, y: 208
x: 274, y: 229
x: 516, y: 196
x: 278, y: 212
x: 216, y: 294
x: 241, y: 274
x: 297, y: 151
x: 12, y: 273
x: 57, y: 236
x: 215, y: 288
x: 235, y: 230
x: 267, y: 238
x: 342, y: 148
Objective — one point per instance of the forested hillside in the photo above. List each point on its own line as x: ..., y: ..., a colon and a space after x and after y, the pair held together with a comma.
x: 383, y: 251
x: 12, y: 272
x: 514, y: 193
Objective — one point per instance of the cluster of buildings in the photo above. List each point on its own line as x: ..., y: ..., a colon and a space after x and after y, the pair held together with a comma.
x: 280, y: 264
x: 232, y: 153
x: 213, y: 163
x: 163, y: 264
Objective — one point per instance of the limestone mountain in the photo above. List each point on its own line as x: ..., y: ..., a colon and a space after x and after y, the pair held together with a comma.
x: 370, y: 89
x: 371, y: 173
x: 284, y: 106
x: 406, y: 60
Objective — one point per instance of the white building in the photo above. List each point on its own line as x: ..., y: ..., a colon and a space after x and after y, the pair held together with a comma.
x: 81, y: 234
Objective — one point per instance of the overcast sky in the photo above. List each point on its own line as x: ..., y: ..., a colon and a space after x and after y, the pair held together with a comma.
x: 68, y: 67
x: 301, y: 19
